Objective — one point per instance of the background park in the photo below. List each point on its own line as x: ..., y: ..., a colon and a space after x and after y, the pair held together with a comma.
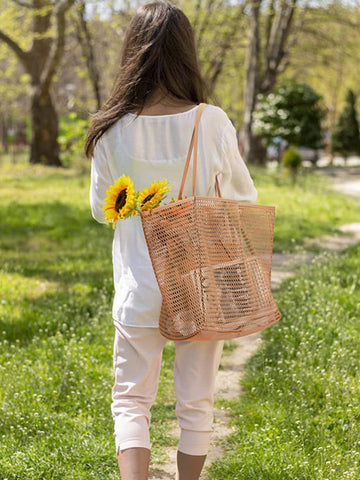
x: 288, y: 400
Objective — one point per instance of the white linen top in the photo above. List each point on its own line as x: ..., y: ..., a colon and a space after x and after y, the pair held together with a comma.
x: 155, y: 147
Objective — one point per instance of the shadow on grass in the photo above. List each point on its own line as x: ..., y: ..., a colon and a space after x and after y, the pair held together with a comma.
x: 54, y: 242
x: 62, y: 311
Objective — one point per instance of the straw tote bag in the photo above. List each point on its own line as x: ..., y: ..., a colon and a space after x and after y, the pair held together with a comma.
x: 212, y: 260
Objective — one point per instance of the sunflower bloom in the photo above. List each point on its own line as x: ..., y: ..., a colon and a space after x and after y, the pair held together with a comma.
x: 120, y: 201
x: 149, y: 198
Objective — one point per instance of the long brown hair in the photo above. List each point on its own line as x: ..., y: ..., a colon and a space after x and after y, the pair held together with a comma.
x: 158, y: 52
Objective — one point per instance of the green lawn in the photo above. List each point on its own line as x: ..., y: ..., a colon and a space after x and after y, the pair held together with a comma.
x: 299, y: 414
x: 309, y: 208
x: 55, y: 319
x: 57, y: 334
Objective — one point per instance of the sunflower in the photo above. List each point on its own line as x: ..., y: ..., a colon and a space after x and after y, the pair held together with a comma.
x: 149, y: 198
x: 120, y: 201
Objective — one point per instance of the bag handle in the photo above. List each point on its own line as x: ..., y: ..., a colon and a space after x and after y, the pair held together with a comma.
x: 194, y: 145
x: 193, y: 142
x: 217, y: 186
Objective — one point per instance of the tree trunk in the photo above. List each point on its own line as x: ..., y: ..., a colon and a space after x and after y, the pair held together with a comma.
x: 45, y: 148
x: 41, y: 62
x: 257, y: 151
x: 250, y: 143
x: 4, y: 139
x: 263, y: 67
x: 86, y: 43
x: 253, y: 149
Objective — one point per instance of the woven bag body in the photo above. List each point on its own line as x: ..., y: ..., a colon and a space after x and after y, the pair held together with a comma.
x: 212, y: 260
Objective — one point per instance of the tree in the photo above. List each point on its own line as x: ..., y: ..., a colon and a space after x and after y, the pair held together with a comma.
x: 87, y: 45
x: 346, y: 136
x: 292, y: 112
x: 41, y: 62
x: 327, y: 55
x: 266, y: 59
x: 216, y: 25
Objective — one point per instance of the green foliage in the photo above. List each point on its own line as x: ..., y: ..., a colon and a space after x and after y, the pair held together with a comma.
x: 292, y: 158
x: 298, y: 416
x: 72, y: 132
x: 300, y: 208
x: 346, y: 136
x: 292, y: 161
x: 292, y: 112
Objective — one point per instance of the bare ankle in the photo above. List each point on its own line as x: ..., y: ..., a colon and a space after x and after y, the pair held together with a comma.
x: 134, y: 463
x: 189, y: 466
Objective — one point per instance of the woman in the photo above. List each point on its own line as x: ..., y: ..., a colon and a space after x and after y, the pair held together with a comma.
x: 143, y: 131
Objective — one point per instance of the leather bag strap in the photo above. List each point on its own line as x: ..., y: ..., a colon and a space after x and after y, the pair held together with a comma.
x: 193, y: 145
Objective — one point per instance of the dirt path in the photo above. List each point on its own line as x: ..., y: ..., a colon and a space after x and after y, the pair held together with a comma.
x: 231, y: 368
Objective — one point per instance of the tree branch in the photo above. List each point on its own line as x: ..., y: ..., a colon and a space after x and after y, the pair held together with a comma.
x: 275, y: 53
x: 57, y: 47
x: 85, y: 40
x: 205, y: 22
x: 22, y: 55
x: 23, y: 4
x: 225, y: 46
x: 197, y: 14
x: 269, y: 23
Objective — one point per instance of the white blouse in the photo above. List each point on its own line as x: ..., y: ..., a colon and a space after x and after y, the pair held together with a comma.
x: 149, y: 148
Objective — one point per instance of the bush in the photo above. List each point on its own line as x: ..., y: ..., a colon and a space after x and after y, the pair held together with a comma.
x: 292, y: 158
x: 72, y: 138
x: 292, y: 161
x: 293, y: 112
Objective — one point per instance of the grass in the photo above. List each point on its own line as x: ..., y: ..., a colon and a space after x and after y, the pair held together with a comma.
x: 309, y: 208
x: 299, y: 414
x: 57, y: 333
x: 55, y: 318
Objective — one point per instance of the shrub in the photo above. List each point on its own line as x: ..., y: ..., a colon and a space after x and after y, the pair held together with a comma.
x: 71, y: 138
x: 292, y: 160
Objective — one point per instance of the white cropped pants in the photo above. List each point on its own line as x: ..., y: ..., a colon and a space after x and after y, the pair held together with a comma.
x: 137, y: 361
